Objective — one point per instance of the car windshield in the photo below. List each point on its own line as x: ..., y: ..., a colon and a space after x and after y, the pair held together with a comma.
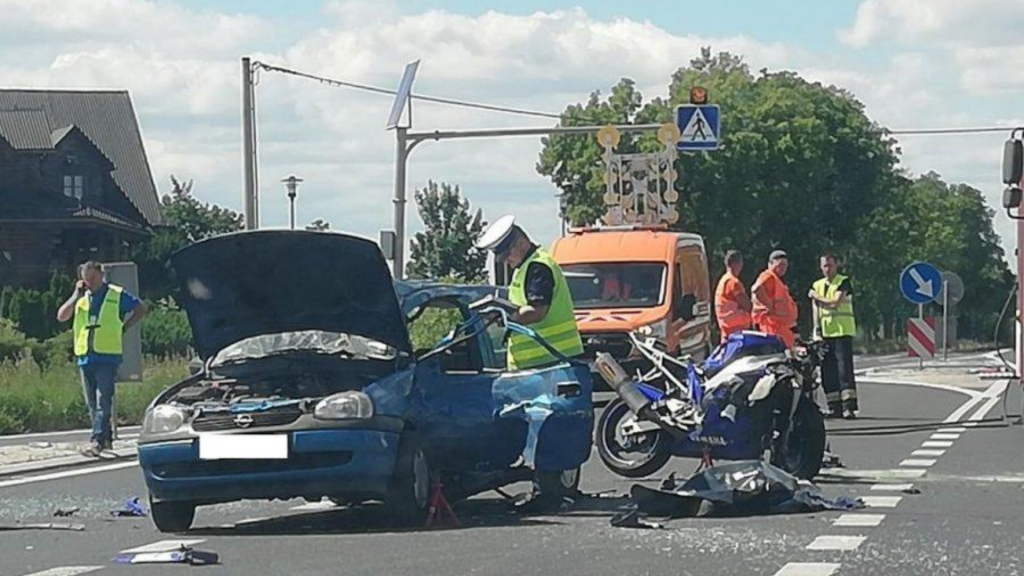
x: 313, y: 341
x: 616, y: 284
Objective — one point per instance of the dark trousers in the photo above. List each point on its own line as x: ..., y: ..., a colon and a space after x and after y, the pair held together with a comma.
x: 837, y: 375
x: 98, y: 387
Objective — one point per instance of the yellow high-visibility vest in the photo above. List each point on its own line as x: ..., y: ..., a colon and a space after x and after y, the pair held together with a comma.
x: 558, y: 328
x: 839, y: 321
x: 101, y: 334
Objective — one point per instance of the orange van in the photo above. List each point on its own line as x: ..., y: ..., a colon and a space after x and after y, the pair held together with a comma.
x: 625, y: 279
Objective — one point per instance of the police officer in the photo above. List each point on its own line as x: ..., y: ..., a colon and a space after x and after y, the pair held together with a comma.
x: 540, y: 294
x: 101, y: 313
x: 832, y: 297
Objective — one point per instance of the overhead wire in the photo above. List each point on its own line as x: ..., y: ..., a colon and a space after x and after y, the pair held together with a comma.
x: 540, y: 114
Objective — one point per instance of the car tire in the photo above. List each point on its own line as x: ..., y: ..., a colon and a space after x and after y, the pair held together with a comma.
x: 652, y: 459
x: 408, y: 493
x: 172, y: 516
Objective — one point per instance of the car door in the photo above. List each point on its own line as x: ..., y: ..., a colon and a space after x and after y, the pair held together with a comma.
x: 455, y: 391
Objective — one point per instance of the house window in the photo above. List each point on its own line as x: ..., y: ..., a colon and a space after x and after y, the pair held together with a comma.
x: 74, y: 186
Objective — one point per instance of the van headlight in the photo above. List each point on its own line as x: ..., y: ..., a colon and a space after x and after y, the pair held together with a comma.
x: 164, y: 419
x: 345, y: 406
x: 658, y: 330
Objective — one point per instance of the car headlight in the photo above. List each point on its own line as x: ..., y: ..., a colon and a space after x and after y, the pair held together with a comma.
x: 163, y: 419
x: 658, y: 329
x: 345, y: 406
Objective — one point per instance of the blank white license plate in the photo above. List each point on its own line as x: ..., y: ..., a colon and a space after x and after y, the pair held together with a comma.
x: 243, y: 447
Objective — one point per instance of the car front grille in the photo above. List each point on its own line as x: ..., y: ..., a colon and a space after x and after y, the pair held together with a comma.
x: 219, y: 422
x: 295, y: 462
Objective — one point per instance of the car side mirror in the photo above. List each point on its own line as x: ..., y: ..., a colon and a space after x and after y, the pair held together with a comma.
x: 195, y: 366
x: 1013, y: 162
x: 686, y: 307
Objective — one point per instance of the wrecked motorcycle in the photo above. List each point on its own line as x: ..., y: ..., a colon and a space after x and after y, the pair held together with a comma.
x: 750, y: 399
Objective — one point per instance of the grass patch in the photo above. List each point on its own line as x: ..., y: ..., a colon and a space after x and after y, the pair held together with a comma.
x: 45, y: 398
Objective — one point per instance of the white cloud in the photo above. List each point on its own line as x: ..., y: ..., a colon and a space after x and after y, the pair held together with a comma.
x: 182, y: 69
x: 988, y: 22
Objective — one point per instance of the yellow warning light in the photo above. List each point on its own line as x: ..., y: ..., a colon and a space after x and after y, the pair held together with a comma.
x: 608, y: 136
x: 698, y: 95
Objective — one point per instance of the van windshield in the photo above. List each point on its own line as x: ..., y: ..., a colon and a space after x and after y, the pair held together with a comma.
x: 616, y: 284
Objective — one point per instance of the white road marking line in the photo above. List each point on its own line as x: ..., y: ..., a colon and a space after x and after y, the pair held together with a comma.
x: 881, y: 501
x: 66, y: 571
x: 859, y: 520
x: 937, y: 444
x: 314, y: 506
x: 808, y: 569
x: 67, y: 474
x: 836, y: 542
x: 945, y: 437
x: 892, y: 487
x: 918, y: 462
x: 162, y: 546
x: 929, y: 453
x: 974, y: 394
x: 993, y: 394
x: 951, y: 430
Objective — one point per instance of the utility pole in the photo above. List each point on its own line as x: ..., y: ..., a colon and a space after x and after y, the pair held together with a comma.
x: 401, y: 155
x: 248, y: 148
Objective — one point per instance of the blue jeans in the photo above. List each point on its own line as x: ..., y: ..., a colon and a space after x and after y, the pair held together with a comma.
x: 98, y: 386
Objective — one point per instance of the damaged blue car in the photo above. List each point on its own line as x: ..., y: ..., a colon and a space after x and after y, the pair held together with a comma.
x: 316, y: 383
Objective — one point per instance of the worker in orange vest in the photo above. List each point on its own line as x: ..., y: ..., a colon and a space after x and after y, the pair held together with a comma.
x: 775, y: 311
x: 732, y: 305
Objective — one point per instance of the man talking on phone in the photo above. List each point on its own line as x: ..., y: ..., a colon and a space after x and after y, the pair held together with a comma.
x: 101, y: 312
x: 539, y: 294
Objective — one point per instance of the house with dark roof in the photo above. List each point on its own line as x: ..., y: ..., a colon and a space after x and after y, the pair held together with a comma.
x: 75, y: 183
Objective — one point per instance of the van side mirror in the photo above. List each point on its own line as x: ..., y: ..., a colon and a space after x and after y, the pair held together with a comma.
x: 1013, y: 162
x: 686, y: 307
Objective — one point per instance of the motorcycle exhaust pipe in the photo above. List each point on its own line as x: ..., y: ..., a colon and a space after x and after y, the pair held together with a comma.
x: 623, y: 385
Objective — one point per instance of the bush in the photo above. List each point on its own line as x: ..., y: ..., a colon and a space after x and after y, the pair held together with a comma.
x: 34, y: 312
x: 166, y: 332
x: 36, y: 398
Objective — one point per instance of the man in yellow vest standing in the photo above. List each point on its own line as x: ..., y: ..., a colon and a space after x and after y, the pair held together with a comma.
x: 832, y: 298
x: 540, y: 294
x: 101, y: 313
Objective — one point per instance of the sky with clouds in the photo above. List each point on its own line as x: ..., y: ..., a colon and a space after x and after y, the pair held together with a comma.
x: 914, y: 63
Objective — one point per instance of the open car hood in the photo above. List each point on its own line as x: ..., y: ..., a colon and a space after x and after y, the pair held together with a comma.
x: 269, y: 281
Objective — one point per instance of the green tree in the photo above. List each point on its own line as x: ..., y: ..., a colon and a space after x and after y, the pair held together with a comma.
x: 186, y: 220
x: 446, y: 246
x: 801, y: 165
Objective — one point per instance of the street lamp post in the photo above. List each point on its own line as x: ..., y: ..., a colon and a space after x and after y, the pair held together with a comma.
x: 291, y: 183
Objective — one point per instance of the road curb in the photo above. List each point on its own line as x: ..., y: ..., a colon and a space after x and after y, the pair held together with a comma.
x: 73, y: 461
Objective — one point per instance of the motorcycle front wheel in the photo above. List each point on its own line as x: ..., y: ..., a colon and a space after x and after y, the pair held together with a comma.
x: 633, y: 457
x: 803, y: 453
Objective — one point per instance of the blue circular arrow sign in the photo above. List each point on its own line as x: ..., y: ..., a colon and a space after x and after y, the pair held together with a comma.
x: 920, y: 282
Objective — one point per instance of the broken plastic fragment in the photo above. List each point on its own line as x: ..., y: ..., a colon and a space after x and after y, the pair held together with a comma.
x: 131, y: 508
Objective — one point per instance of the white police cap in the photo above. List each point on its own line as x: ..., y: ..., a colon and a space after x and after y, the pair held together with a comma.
x: 496, y: 232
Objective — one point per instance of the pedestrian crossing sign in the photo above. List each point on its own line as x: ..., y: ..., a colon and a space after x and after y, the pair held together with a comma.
x: 699, y: 127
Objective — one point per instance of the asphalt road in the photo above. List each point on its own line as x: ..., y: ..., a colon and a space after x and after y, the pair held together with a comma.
x: 967, y: 519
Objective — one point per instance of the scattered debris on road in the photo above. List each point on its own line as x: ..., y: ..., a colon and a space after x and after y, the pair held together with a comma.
x: 131, y: 509
x: 66, y: 512
x: 735, y: 489
x: 43, y: 526
x: 184, y: 555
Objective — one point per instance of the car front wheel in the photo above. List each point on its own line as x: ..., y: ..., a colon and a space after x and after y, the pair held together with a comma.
x: 409, y: 492
x: 172, y: 516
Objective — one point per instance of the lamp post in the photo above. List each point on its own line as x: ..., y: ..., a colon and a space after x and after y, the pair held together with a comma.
x: 292, y: 184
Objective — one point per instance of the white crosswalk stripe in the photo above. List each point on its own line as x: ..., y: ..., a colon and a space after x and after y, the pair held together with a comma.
x: 836, y: 542
x: 881, y: 501
x: 808, y: 569
x: 859, y: 520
